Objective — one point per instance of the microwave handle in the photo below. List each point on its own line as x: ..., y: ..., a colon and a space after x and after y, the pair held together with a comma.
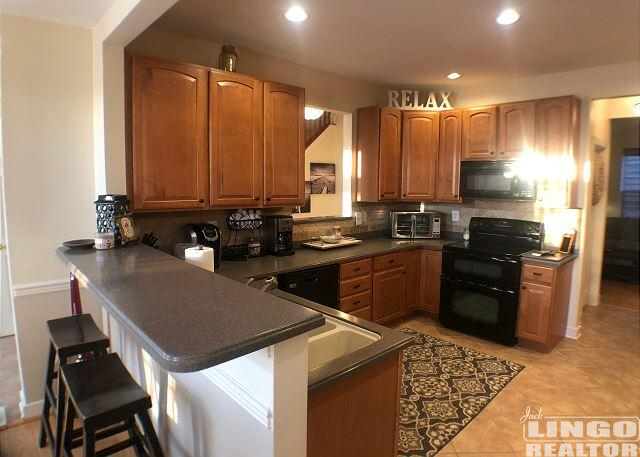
x: 413, y: 226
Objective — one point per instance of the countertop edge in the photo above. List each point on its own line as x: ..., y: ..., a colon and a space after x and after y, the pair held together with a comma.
x: 529, y: 260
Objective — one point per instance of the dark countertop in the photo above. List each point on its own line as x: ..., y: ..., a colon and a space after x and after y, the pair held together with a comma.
x: 552, y: 261
x: 391, y: 342
x: 185, y: 317
x: 309, y: 258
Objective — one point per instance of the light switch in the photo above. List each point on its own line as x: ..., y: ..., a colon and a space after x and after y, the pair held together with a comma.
x: 455, y: 215
x: 358, y: 217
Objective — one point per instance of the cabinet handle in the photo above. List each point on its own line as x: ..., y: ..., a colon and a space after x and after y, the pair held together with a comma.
x: 356, y: 302
x: 392, y: 260
x: 537, y: 273
x: 356, y: 269
x: 357, y: 286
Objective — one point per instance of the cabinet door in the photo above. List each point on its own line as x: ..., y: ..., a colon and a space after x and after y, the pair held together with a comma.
x: 556, y: 139
x: 283, y: 144
x: 479, y: 133
x: 389, y: 158
x: 413, y: 268
x: 533, y: 314
x: 419, y: 155
x: 449, y: 153
x: 168, y: 148
x: 430, y: 284
x: 389, y: 288
x: 235, y: 131
x: 517, y: 127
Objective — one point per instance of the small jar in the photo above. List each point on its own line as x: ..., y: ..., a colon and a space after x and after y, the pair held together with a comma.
x: 228, y: 58
x: 105, y: 240
x: 254, y: 247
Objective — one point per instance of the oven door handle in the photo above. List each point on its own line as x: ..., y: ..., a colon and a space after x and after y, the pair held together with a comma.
x: 496, y: 259
x: 458, y: 255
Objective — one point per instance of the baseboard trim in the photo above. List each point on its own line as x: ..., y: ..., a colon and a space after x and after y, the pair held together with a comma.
x: 573, y: 332
x: 41, y: 287
x: 32, y: 409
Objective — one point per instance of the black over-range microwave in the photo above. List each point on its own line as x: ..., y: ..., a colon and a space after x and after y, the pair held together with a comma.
x: 494, y: 179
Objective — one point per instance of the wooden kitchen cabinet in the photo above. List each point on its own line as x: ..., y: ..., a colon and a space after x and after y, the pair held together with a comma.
x: 430, y: 280
x: 420, y: 132
x: 479, y: 133
x: 355, y: 288
x: 357, y: 416
x: 378, y: 155
x: 413, y: 269
x: 516, y: 129
x: 166, y: 134
x: 449, y: 155
x: 389, y: 288
x: 235, y: 147
x: 544, y: 305
x: 556, y: 138
x: 283, y: 144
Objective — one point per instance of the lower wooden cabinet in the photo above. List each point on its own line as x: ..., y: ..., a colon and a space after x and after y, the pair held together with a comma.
x: 389, y: 289
x: 431, y: 270
x: 544, y: 305
x: 413, y: 268
x: 357, y: 416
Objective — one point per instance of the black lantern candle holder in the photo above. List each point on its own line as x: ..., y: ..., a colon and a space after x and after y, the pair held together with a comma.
x: 108, y: 207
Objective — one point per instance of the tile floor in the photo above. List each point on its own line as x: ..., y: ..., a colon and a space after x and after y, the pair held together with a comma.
x: 599, y: 374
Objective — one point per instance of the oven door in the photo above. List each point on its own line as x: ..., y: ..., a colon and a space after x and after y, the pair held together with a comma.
x: 487, y: 270
x: 494, y: 179
x: 403, y: 225
x: 484, y: 311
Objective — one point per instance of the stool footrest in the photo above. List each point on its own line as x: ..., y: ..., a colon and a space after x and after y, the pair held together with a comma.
x: 104, y: 433
x: 115, y: 448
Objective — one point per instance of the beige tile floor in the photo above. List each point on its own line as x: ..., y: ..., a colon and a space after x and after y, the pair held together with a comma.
x: 596, y: 375
x: 599, y: 374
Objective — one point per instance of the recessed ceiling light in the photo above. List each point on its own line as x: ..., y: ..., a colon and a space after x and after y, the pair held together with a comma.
x: 508, y: 17
x: 296, y: 14
x: 453, y: 75
x: 312, y: 114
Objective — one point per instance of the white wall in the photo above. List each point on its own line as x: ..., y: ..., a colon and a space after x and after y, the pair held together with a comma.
x: 48, y: 171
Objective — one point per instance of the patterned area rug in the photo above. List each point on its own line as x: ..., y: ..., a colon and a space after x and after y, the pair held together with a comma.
x: 444, y: 386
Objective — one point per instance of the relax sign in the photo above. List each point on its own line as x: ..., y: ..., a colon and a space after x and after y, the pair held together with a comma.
x: 415, y: 99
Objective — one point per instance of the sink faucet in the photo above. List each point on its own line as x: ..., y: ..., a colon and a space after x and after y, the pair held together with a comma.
x: 270, y: 283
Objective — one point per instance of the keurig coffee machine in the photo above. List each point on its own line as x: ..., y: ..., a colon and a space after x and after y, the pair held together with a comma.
x: 279, y: 235
x: 206, y: 235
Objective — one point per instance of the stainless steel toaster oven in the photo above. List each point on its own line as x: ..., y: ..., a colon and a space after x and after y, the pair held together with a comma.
x: 414, y: 224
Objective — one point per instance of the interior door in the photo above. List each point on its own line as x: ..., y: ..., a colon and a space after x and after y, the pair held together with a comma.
x: 235, y: 131
x: 168, y: 135
x: 517, y: 129
x: 389, y: 158
x: 479, y: 133
x: 283, y: 144
x: 449, y: 153
x: 419, y: 155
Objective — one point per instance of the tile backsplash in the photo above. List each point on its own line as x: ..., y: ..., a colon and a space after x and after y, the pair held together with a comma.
x: 169, y: 227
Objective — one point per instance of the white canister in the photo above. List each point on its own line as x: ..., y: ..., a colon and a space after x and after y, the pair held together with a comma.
x: 200, y: 256
x: 104, y: 240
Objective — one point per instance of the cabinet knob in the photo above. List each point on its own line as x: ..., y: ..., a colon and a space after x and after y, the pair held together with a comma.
x: 404, y: 195
x: 493, y: 152
x: 455, y: 196
x: 257, y: 199
x: 268, y: 199
x: 201, y: 200
x: 524, y: 287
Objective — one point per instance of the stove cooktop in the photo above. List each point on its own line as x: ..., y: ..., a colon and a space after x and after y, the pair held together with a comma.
x: 487, y: 249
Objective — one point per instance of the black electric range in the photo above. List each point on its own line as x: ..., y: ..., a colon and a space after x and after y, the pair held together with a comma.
x: 479, y: 291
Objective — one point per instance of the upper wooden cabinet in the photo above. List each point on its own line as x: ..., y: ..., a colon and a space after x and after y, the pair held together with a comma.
x: 449, y: 152
x: 167, y: 135
x: 283, y: 144
x: 420, y: 132
x: 479, y: 133
x: 235, y: 146
x: 378, y: 154
x: 517, y: 129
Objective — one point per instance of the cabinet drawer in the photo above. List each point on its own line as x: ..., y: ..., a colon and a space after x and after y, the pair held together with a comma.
x: 357, y: 268
x: 362, y: 313
x: 394, y: 260
x: 355, y: 285
x: 537, y: 274
x: 356, y: 301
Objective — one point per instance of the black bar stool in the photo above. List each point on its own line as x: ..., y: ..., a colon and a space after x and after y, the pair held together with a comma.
x: 69, y: 336
x: 104, y: 396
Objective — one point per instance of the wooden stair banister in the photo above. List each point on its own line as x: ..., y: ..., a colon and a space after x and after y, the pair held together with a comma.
x: 316, y: 127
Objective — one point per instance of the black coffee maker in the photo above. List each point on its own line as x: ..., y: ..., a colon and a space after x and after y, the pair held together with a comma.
x: 206, y: 235
x: 279, y: 235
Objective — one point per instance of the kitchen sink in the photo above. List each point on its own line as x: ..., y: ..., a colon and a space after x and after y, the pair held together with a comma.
x: 335, y: 339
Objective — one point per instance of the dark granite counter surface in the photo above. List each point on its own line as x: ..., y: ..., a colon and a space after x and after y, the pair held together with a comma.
x: 309, y: 258
x: 552, y: 261
x: 185, y: 317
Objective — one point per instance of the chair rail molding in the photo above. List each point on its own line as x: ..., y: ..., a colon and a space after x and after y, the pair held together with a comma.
x: 40, y: 287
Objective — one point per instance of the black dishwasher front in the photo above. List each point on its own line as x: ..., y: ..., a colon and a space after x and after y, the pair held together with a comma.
x: 319, y: 285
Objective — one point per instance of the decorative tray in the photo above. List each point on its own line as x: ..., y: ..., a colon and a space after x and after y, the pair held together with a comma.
x: 319, y: 244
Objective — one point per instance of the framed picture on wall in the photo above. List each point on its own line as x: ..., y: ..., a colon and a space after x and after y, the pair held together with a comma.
x: 323, y: 178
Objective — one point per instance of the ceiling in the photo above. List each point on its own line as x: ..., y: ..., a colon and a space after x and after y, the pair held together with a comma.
x: 421, y: 41
x: 81, y: 13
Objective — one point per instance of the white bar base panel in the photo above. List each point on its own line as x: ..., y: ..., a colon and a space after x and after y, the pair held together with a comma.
x: 255, y: 405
